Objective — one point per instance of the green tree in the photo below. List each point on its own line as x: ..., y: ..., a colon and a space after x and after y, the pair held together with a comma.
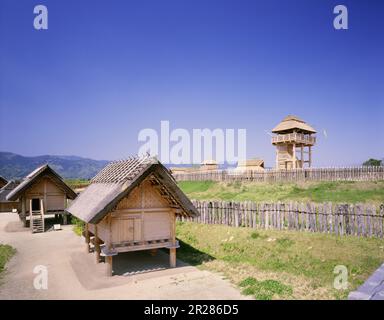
x: 372, y: 162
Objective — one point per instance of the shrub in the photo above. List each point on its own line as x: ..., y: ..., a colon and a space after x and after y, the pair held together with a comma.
x: 78, y: 225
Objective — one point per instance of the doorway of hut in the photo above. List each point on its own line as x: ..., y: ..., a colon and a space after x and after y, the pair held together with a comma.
x: 35, y: 204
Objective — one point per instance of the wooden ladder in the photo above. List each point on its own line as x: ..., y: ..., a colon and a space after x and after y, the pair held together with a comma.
x: 37, y: 222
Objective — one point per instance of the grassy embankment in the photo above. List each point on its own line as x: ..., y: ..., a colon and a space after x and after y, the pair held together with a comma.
x: 342, y: 191
x: 280, y: 264
x: 6, y: 253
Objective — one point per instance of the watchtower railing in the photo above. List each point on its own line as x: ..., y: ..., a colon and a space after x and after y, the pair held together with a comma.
x: 294, y: 137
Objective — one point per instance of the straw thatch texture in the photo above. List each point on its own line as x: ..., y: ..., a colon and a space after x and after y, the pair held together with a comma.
x: 290, y: 123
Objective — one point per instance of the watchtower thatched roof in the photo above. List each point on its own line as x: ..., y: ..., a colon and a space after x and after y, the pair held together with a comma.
x: 290, y: 123
x: 40, y: 172
x: 118, y: 179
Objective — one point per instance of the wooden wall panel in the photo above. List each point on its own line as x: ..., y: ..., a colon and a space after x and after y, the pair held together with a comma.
x: 55, y: 202
x: 157, y: 225
x: 52, y: 188
x: 126, y: 229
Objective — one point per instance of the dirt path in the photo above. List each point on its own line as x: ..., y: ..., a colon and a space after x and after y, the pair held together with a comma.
x: 73, y: 274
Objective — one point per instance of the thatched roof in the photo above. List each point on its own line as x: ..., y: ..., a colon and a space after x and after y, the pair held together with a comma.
x: 209, y: 162
x: 4, y: 191
x: 251, y: 162
x: 40, y: 172
x: 118, y: 179
x: 290, y: 123
x: 3, y: 181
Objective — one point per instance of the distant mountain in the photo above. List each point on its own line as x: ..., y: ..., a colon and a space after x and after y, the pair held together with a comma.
x: 13, y: 166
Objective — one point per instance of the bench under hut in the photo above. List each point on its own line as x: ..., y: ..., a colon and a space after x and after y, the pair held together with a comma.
x: 131, y: 205
x: 42, y: 192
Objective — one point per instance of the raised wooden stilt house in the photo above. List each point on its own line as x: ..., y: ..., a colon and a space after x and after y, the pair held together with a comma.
x: 43, y: 192
x: 131, y: 205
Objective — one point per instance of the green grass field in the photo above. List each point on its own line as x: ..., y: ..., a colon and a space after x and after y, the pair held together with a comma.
x: 279, y: 264
x: 77, y: 183
x: 345, y: 191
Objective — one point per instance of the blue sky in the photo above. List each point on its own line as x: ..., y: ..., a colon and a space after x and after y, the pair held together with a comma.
x: 104, y: 70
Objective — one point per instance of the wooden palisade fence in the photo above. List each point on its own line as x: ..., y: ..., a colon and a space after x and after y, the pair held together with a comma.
x: 272, y: 175
x: 340, y: 219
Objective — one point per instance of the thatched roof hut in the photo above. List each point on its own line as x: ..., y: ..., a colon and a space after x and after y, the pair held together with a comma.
x: 41, y: 192
x: 44, y: 171
x: 132, y: 205
x: 250, y: 165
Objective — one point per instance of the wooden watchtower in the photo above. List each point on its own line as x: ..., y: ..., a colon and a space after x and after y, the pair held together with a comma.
x: 294, y: 140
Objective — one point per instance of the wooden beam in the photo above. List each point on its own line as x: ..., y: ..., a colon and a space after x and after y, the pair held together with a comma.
x: 302, y: 157
x: 45, y: 190
x: 109, y: 262
x: 42, y: 211
x: 23, y: 211
x: 142, y: 247
x: 30, y: 214
x: 310, y: 156
x: 97, y: 245
x: 172, y: 257
x: 172, y: 251
x: 87, y: 238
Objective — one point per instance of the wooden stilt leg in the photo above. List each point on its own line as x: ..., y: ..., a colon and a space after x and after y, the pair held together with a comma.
x: 65, y: 219
x: 97, y: 249
x: 109, y: 261
x: 87, y: 238
x: 24, y: 221
x: 172, y: 257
